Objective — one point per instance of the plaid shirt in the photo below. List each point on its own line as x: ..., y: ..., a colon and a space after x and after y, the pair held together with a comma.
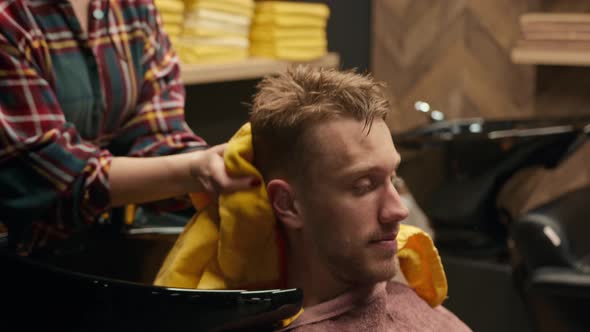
x: 69, y: 101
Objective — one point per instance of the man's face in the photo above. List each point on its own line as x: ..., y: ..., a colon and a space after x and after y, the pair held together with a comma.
x: 350, y: 208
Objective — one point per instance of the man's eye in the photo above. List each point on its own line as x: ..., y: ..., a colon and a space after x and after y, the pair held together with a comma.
x: 363, y: 186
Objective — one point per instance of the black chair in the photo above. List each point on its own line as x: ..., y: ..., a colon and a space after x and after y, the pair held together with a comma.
x: 551, y: 260
x: 40, y: 296
x: 103, y: 283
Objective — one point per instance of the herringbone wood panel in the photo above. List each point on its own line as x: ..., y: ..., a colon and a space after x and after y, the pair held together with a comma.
x: 454, y: 54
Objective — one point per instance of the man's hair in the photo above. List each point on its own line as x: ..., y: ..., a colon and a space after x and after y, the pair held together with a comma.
x: 287, y: 105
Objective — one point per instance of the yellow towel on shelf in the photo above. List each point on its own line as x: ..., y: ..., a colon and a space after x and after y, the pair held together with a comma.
x: 271, y: 33
x: 207, y: 27
x: 173, y: 30
x: 292, y: 43
x: 226, y: 41
x: 289, y: 21
x: 235, y: 244
x: 191, y: 58
x: 172, y: 18
x: 293, y: 8
x: 169, y: 6
x: 245, y: 8
x: 290, y: 54
x: 218, y: 16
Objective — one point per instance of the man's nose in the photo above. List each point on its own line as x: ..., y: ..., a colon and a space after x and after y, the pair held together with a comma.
x: 392, y: 207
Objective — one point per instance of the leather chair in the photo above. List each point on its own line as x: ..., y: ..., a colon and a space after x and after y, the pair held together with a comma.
x: 39, y: 296
x: 551, y: 260
x: 105, y: 285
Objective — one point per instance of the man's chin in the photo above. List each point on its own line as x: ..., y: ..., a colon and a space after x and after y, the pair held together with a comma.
x: 380, y: 273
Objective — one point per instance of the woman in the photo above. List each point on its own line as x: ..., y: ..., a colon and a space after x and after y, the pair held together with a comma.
x: 91, y: 117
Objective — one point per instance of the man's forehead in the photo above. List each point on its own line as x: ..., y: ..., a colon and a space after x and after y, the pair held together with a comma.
x: 347, y: 143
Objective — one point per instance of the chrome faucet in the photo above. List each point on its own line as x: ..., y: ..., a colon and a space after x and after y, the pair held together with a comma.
x: 433, y: 115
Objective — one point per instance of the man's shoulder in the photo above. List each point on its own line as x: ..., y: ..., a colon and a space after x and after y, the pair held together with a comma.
x: 398, y: 308
x: 405, y: 304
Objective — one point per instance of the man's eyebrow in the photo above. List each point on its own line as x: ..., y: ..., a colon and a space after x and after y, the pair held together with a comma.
x: 368, y: 169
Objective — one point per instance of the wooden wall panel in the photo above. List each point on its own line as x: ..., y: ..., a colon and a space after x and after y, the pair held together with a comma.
x: 454, y: 54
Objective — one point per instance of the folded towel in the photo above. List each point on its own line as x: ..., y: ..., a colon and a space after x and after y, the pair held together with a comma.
x: 218, y: 16
x: 189, y: 59
x: 289, y: 21
x: 293, y: 8
x: 173, y: 29
x: 240, y: 7
x: 230, y: 42
x: 300, y: 43
x: 169, y: 6
x: 209, y: 54
x: 236, y: 244
x: 208, y: 27
x: 288, y: 53
x: 271, y: 33
x: 172, y: 18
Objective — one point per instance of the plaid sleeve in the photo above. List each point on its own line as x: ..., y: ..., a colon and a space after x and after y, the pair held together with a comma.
x: 48, y: 172
x: 159, y: 127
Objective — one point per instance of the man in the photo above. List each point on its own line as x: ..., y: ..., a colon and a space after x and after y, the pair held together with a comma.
x: 326, y: 154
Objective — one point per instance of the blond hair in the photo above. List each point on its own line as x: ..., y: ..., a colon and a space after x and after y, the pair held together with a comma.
x: 289, y: 104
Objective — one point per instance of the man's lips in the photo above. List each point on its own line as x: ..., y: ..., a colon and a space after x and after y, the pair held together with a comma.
x: 386, y: 242
x: 385, y: 237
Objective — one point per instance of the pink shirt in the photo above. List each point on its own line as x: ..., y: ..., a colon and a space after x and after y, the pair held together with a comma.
x: 387, y: 306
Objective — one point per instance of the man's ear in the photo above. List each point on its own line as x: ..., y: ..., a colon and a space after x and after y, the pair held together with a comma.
x: 282, y: 199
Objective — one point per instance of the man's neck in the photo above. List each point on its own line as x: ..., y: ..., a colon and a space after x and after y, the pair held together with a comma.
x: 315, y: 279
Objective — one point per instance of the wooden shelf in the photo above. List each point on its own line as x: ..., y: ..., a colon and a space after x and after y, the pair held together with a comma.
x: 251, y: 68
x: 523, y: 55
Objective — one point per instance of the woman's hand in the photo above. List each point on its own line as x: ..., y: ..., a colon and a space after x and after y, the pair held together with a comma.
x: 139, y: 180
x: 209, y: 171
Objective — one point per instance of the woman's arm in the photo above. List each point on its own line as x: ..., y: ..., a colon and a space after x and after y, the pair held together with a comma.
x: 138, y: 180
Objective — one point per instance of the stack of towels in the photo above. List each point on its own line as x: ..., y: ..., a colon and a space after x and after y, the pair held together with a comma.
x: 172, y: 13
x: 290, y: 30
x: 215, y: 30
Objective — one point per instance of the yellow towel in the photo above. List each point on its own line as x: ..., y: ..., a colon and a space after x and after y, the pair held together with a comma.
x: 229, y: 42
x: 289, y: 21
x: 210, y: 254
x: 172, y: 19
x: 218, y: 16
x: 292, y: 43
x: 205, y: 27
x: 291, y: 8
x: 169, y: 6
x: 244, y: 8
x: 421, y: 264
x: 191, y: 58
x: 236, y: 244
x: 173, y: 30
x: 290, y: 54
x: 271, y: 33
